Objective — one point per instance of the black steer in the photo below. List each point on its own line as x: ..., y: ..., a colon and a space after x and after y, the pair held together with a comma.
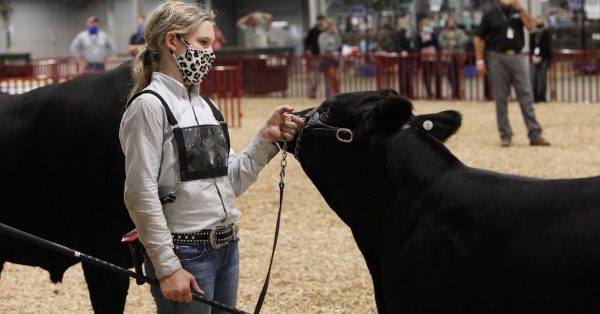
x: 441, y: 237
x: 62, y: 176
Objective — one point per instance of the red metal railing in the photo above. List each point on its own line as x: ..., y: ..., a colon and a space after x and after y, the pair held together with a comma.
x: 224, y: 85
x: 573, y: 76
x: 20, y: 85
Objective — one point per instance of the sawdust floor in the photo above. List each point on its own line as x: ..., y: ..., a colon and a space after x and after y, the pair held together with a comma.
x: 318, y: 268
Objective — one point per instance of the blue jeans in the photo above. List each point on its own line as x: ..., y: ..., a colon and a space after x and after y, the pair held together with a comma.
x: 215, y: 270
x: 93, y: 66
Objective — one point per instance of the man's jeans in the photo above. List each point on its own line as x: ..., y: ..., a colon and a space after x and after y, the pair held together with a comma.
x: 92, y: 66
x: 217, y: 274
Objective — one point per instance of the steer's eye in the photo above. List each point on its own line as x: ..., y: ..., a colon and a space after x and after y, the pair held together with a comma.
x: 328, y: 115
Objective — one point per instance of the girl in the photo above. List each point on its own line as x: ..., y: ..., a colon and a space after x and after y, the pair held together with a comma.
x: 181, y: 176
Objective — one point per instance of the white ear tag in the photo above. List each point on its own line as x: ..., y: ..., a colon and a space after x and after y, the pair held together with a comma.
x: 427, y: 125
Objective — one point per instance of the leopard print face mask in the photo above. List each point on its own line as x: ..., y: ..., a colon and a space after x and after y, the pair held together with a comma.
x: 194, y: 64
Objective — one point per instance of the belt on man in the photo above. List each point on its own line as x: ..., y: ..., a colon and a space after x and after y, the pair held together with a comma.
x: 510, y: 52
x: 215, y: 237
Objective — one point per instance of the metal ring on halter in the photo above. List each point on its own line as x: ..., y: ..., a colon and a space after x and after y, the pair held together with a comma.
x: 344, y: 131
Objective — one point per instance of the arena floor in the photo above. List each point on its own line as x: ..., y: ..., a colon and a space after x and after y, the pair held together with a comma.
x: 318, y: 268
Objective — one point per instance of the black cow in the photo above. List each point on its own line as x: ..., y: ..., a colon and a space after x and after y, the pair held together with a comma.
x: 62, y: 176
x: 439, y: 236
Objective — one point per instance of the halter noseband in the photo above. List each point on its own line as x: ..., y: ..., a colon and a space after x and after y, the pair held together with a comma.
x: 314, y: 126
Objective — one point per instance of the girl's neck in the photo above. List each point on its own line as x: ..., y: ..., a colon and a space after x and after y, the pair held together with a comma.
x: 167, y: 66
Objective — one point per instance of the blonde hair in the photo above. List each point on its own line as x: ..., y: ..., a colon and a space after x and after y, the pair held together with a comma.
x: 177, y: 16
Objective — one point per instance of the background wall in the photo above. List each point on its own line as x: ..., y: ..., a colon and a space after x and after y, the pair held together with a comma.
x: 46, y: 28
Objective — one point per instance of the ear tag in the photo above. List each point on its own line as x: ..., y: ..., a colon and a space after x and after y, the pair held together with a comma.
x: 427, y: 125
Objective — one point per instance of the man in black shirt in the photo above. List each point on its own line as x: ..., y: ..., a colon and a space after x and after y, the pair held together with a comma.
x: 311, y: 47
x: 540, y: 52
x: 137, y: 41
x: 501, y: 37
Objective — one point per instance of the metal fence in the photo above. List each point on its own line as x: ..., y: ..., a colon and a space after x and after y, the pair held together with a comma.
x: 223, y: 83
x: 573, y: 76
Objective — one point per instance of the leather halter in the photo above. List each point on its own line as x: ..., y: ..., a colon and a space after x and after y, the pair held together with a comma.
x: 314, y: 126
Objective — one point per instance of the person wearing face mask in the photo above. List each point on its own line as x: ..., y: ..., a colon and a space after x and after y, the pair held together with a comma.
x: 92, y: 47
x: 404, y: 46
x: 452, y: 43
x: 426, y: 42
x: 498, y: 45
x: 137, y: 41
x: 540, y: 52
x: 182, y: 177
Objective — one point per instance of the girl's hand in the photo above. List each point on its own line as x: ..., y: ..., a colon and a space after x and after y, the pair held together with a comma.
x: 281, y: 125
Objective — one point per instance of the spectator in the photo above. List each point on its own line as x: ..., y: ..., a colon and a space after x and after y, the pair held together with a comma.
x: 311, y: 42
x: 426, y: 43
x: 329, y: 46
x: 137, y: 41
x: 540, y: 51
x: 384, y: 38
x: 92, y: 47
x: 311, y: 49
x: 220, y: 39
x: 404, y: 46
x: 452, y: 43
x: 255, y: 28
x: 500, y: 38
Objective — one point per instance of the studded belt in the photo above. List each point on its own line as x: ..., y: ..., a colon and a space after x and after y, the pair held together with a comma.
x: 215, y: 237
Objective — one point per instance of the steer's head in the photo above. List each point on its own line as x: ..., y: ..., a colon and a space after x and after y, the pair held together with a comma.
x: 345, y: 144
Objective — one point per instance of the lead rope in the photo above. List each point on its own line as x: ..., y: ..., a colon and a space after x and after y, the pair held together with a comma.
x: 263, y: 293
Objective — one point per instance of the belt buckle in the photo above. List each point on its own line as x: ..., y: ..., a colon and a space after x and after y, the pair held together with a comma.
x: 234, y: 232
x: 212, y: 238
x: 510, y: 52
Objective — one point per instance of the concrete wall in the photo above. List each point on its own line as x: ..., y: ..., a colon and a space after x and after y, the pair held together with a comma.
x: 46, y: 28
x: 291, y: 11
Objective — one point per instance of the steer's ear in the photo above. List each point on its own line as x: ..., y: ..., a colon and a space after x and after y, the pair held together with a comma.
x: 384, y: 115
x: 440, y: 125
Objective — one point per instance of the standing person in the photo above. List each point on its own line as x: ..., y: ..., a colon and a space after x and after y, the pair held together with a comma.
x: 452, y: 43
x: 540, y: 52
x: 92, y: 47
x: 311, y: 51
x: 404, y: 46
x: 427, y: 44
x: 137, y: 41
x: 255, y: 28
x: 385, y: 38
x: 329, y: 47
x: 500, y: 38
x: 181, y: 175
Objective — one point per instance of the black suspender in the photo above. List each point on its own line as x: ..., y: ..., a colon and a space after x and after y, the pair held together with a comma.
x: 173, y: 122
x: 179, y: 138
x: 219, y: 118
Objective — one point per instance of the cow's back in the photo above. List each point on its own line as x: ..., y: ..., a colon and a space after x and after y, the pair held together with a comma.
x: 62, y: 169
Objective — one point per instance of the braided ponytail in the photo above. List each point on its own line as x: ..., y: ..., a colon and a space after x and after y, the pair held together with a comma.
x: 141, y: 70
